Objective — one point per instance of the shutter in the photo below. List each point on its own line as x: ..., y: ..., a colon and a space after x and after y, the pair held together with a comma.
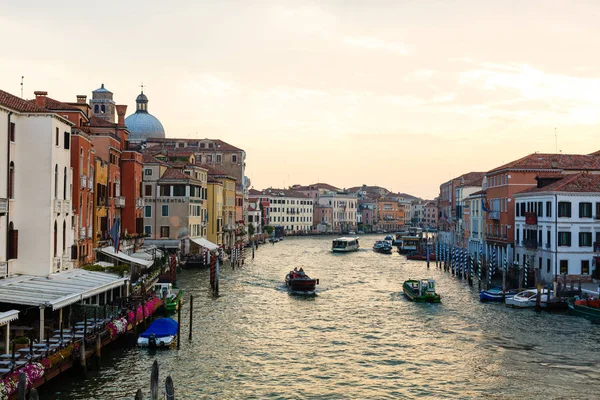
x: 74, y: 252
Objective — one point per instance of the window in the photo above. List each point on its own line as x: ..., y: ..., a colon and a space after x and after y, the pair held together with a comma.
x: 165, y: 210
x: 64, y: 236
x: 233, y: 158
x: 57, y: 140
x: 564, y: 238
x: 540, y: 209
x: 148, y: 211
x: 523, y: 209
x: 165, y: 190
x: 56, y: 181
x: 564, y: 267
x: 564, y: 209
x: 585, y: 239
x: 548, y: 239
x: 96, y: 109
x: 219, y: 158
x: 548, y: 265
x: 65, y: 184
x: 103, y: 109
x: 13, y: 242
x: 67, y: 140
x: 179, y: 190
x: 11, y: 181
x: 148, y: 230
x: 585, y: 267
x: 164, y: 231
x: 148, y: 172
x: 209, y: 158
x: 517, y: 210
x: 585, y: 210
x: 12, y: 131
x: 148, y: 190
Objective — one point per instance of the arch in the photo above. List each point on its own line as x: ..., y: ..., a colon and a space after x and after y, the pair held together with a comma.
x: 11, y: 180
x: 96, y: 109
x: 65, y: 184
x: 103, y: 109
x: 64, y: 237
x: 56, y: 181
x: 55, y: 238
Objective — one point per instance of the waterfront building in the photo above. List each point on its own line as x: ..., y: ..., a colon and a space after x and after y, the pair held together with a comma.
x: 507, y: 180
x: 389, y: 215
x: 100, y: 218
x: 255, y: 215
x: 322, y: 218
x: 430, y: 214
x: 344, y: 206
x: 474, y: 226
x: 215, y: 211
x: 367, y: 210
x: 418, y: 213
x: 556, y: 229
x: 231, y: 229
x: 289, y: 210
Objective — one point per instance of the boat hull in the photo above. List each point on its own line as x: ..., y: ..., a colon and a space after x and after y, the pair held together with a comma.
x: 487, y: 295
x: 383, y: 251
x: 305, y: 284
x: 420, y: 257
x: 590, y: 313
x: 423, y: 298
x: 164, y: 341
x: 173, y: 303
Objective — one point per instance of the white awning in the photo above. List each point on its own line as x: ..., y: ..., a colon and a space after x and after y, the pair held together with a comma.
x: 110, y: 251
x: 6, y: 317
x: 204, y: 243
x: 148, y: 253
x: 57, y: 290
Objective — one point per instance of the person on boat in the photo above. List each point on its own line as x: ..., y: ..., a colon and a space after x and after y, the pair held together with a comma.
x: 301, y: 272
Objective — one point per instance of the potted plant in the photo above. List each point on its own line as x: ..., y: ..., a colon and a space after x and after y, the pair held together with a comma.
x: 20, y: 342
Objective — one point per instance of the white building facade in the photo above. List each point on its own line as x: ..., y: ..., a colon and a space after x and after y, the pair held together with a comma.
x: 344, y: 208
x: 289, y: 209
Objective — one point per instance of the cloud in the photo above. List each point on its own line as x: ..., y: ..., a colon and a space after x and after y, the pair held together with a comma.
x: 372, y: 43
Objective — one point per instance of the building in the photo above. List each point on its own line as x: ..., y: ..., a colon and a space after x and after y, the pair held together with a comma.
x: 389, y: 216
x: 254, y: 216
x: 367, y: 210
x: 215, y: 211
x: 474, y: 227
x: 314, y: 190
x: 556, y: 229
x: 344, y: 206
x: 142, y: 125
x: 289, y: 211
x: 430, y: 214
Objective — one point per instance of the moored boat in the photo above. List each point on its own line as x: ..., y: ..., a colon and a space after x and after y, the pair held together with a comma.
x: 171, y: 295
x: 422, y: 290
x: 495, y: 294
x: 409, y: 244
x: 382, y: 246
x: 161, y: 333
x: 420, y: 257
x: 344, y: 245
x: 298, y: 281
x: 527, y: 299
x: 588, y: 308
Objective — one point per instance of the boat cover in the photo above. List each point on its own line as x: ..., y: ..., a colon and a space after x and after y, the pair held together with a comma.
x: 161, y: 327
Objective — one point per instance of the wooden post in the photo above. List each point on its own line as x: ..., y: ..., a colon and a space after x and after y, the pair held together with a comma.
x: 98, y: 351
x: 253, y: 250
x: 179, y: 325
x: 503, y: 281
x: 22, y: 387
x: 428, y: 257
x: 169, y: 389
x: 154, y: 381
x: 139, y: 395
x: 82, y: 356
x: 33, y: 395
x: 191, y: 314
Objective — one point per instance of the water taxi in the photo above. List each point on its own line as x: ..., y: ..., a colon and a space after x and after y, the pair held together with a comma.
x: 527, y: 299
x: 298, y: 281
x: 421, y: 291
x: 344, y: 245
x: 410, y: 244
x: 382, y: 246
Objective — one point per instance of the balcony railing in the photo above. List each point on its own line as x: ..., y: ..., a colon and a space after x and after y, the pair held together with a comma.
x: 66, y: 206
x: 139, y: 202
x: 57, y: 206
x: 82, y: 233
x: 119, y: 201
x: 90, y: 183
x: 66, y: 263
x: 3, y: 206
x: 531, y: 244
x: 83, y: 181
x: 3, y: 268
x: 494, y: 215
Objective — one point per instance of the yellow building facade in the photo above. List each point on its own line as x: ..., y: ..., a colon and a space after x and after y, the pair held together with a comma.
x: 215, y: 211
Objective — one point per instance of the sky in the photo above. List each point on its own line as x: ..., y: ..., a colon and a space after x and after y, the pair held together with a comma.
x: 403, y: 94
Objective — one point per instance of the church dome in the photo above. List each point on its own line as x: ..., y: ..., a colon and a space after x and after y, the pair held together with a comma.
x: 143, y: 125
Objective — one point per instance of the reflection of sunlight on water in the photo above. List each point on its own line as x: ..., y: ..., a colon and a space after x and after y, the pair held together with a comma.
x: 359, y: 337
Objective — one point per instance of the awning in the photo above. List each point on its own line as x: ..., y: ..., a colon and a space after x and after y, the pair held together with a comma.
x: 110, y: 251
x: 57, y: 290
x: 166, y: 243
x: 148, y: 253
x: 6, y: 317
x: 204, y: 243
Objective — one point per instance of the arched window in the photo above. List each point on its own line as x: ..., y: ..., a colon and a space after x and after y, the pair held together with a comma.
x: 64, y: 236
x: 96, y: 109
x: 65, y: 184
x: 55, y: 238
x: 56, y: 181
x: 11, y: 181
x: 13, y: 241
x: 103, y: 108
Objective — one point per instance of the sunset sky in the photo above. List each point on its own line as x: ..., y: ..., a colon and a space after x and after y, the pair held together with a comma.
x: 401, y: 94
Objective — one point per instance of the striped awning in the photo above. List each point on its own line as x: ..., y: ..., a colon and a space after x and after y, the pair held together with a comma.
x: 8, y: 316
x: 57, y: 290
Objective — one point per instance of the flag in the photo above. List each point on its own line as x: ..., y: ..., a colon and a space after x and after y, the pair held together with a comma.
x: 483, y: 206
x: 114, y: 234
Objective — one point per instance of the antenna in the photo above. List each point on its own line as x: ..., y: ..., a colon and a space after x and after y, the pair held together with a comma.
x: 556, y: 141
x: 22, y: 77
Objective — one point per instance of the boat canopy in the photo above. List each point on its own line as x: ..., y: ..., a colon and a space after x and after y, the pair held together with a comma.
x: 161, y: 327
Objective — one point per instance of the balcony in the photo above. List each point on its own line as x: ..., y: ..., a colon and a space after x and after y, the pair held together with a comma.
x: 3, y: 268
x: 531, y: 244
x: 66, y: 206
x: 57, y: 206
x: 83, y: 181
x: 119, y: 201
x: 66, y: 263
x: 3, y: 206
x: 82, y: 233
x: 494, y: 215
x: 89, y: 232
x: 139, y: 202
x: 90, y: 184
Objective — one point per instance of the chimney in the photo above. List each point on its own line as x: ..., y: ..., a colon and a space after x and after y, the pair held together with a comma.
x: 82, y: 98
x: 121, y: 109
x: 40, y: 98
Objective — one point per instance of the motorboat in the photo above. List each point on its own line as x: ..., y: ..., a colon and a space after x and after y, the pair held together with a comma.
x: 382, y: 246
x: 421, y: 290
x: 171, y: 296
x: 409, y: 244
x: 420, y: 257
x: 162, y: 332
x: 495, y: 294
x: 345, y: 244
x: 298, y: 281
x: 527, y: 299
x: 585, y: 307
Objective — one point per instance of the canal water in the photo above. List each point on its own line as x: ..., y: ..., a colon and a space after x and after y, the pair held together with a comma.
x: 357, y: 338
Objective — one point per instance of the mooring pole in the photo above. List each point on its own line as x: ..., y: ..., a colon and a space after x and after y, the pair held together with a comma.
x: 191, y: 314
x: 179, y: 324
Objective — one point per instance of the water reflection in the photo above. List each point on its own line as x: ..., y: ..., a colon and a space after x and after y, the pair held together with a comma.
x: 358, y: 337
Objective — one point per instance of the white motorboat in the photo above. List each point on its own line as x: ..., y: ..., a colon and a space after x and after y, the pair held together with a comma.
x: 527, y: 299
x: 345, y: 244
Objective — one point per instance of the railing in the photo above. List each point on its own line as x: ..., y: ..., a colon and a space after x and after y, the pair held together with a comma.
x: 57, y: 206
x: 3, y: 268
x: 83, y: 181
x: 3, y: 206
x: 66, y: 263
x: 531, y: 244
x: 66, y: 206
x: 494, y: 215
x: 119, y: 201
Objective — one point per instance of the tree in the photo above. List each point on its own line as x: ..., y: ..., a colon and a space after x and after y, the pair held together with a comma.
x: 251, y: 229
x: 268, y: 229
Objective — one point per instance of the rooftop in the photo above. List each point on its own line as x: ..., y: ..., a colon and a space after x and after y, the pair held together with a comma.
x: 18, y: 104
x: 537, y: 161
x: 581, y: 182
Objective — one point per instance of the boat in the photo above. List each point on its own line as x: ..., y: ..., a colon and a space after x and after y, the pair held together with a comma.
x: 171, y: 295
x: 298, y: 281
x: 495, y: 294
x: 409, y: 244
x: 161, y: 333
x: 422, y: 290
x: 389, y: 238
x: 382, y: 246
x: 527, y: 299
x: 352, y: 233
x: 588, y: 308
x: 344, y: 245
x: 398, y: 238
x: 420, y: 257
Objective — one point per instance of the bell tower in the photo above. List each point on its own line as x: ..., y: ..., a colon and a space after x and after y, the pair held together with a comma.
x: 103, y: 105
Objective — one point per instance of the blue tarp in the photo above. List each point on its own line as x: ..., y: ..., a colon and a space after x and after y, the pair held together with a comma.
x: 161, y: 327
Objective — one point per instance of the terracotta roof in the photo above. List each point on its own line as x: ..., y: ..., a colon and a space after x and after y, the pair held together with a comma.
x: 549, y: 174
x: 286, y: 193
x: 254, y: 192
x: 471, y: 179
x: 212, y: 171
x: 173, y: 174
x: 552, y: 161
x: 219, y: 144
x: 95, y: 121
x: 148, y: 158
x: 18, y: 104
x: 56, y: 105
x: 573, y: 183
